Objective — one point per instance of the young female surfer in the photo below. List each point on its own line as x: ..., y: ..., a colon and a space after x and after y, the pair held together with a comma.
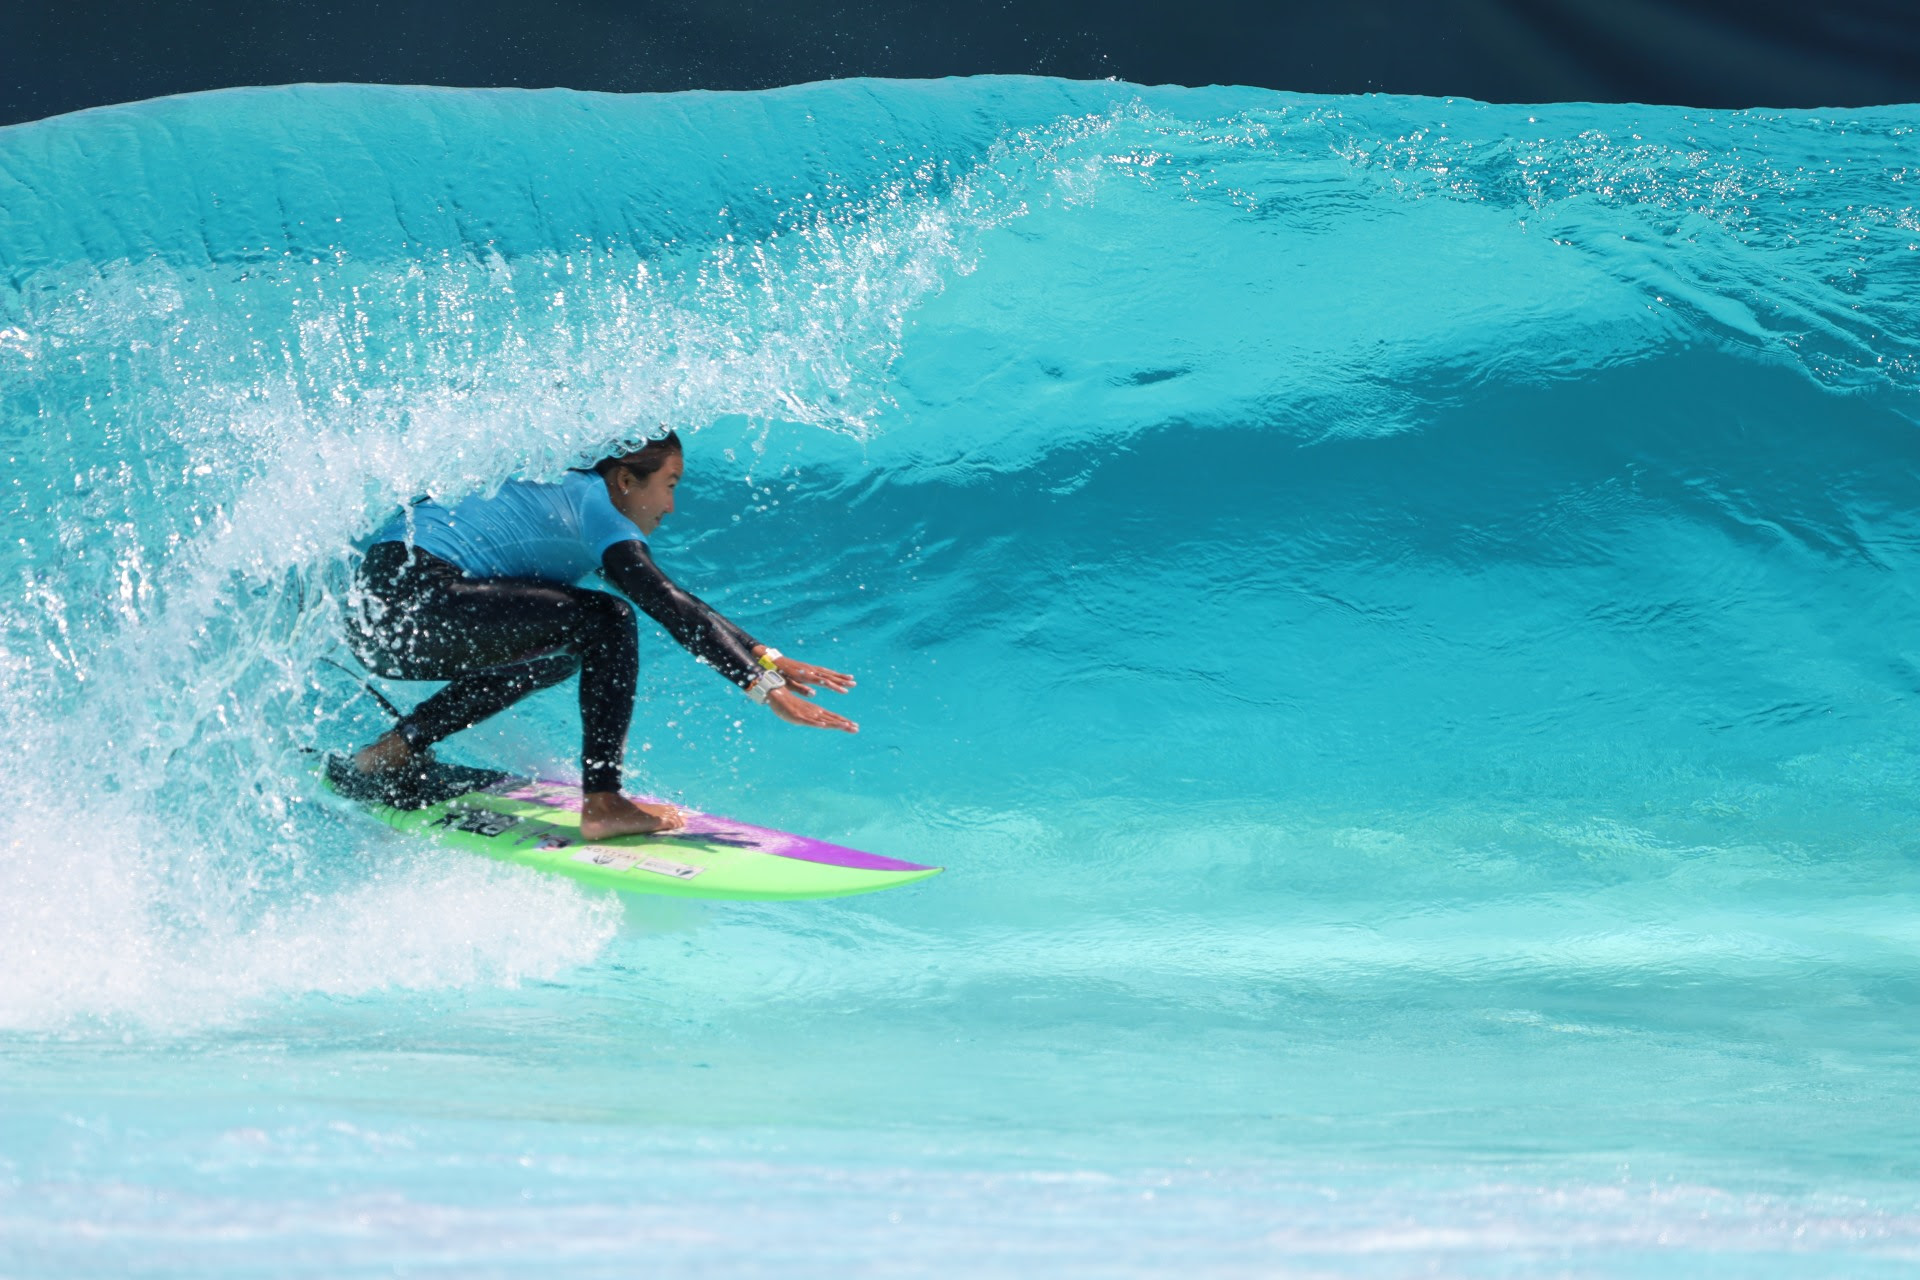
x: 482, y: 594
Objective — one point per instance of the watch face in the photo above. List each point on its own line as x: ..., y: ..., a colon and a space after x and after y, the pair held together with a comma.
x: 763, y: 684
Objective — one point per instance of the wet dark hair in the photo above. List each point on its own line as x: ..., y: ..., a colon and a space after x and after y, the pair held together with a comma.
x: 645, y: 460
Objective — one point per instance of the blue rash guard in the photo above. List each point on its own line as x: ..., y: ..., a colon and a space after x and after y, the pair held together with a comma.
x: 558, y: 534
x: 540, y: 532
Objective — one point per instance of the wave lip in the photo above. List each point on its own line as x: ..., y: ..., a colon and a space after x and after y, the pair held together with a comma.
x: 381, y: 173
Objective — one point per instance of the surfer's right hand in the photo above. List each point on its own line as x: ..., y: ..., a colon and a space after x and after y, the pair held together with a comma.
x: 803, y: 676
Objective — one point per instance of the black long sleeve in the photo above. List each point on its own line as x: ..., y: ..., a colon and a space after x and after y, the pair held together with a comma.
x: 697, y: 625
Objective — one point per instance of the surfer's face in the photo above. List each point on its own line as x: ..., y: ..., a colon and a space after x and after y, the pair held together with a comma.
x: 646, y: 502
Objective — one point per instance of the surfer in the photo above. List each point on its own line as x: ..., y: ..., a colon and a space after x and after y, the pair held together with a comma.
x: 482, y: 594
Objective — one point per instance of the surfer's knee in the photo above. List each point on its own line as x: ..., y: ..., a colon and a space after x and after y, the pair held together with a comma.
x: 612, y: 616
x: 608, y: 624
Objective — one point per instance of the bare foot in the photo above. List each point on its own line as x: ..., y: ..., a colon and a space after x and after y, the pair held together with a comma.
x: 387, y: 753
x: 608, y: 813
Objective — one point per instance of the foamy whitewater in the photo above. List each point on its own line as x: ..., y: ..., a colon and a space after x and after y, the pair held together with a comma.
x: 1399, y: 616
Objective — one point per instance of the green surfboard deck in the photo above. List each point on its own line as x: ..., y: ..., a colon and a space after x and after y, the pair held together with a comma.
x: 536, y: 823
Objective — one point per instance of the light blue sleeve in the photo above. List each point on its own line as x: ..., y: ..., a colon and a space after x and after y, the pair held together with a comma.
x: 601, y: 524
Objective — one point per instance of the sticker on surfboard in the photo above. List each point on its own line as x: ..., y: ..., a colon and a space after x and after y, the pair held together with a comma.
x: 622, y: 860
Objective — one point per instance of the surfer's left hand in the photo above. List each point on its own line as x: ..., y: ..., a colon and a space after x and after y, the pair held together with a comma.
x: 794, y: 709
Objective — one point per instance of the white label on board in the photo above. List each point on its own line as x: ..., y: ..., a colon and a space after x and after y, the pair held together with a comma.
x: 621, y: 860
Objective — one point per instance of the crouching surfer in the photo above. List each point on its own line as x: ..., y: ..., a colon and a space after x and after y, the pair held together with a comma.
x: 482, y: 594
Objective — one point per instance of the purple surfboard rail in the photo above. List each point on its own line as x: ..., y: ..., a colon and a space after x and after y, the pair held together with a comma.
x: 780, y: 844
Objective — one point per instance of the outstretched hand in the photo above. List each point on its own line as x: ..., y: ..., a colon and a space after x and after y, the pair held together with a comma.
x: 793, y: 703
x: 801, y: 677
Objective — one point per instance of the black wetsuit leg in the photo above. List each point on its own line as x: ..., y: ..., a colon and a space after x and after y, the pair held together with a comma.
x: 420, y: 618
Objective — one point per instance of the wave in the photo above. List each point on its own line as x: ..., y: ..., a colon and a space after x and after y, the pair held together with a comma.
x: 1389, y: 500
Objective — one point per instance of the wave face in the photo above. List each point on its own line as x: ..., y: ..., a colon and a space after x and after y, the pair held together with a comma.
x: 1397, y: 613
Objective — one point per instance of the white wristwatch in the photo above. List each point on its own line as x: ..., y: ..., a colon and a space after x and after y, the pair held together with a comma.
x: 765, y: 683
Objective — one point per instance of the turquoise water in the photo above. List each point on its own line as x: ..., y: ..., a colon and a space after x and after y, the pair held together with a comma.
x: 1397, y: 615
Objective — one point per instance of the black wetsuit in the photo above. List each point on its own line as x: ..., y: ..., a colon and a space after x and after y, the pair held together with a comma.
x: 419, y: 617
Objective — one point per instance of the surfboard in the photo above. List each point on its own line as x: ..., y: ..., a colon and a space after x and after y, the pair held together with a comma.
x: 536, y: 823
